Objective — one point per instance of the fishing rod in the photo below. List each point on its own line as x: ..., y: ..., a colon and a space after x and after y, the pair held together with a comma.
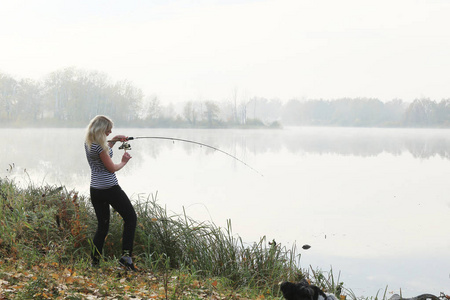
x: 126, y: 146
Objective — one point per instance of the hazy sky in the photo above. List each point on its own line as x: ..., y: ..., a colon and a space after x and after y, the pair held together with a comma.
x: 205, y: 50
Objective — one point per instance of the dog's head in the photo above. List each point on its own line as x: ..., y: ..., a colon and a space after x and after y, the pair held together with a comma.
x: 297, y: 291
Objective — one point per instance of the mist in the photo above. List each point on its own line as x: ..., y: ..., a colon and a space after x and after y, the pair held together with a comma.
x: 344, y: 106
x: 197, y: 51
x: 71, y: 97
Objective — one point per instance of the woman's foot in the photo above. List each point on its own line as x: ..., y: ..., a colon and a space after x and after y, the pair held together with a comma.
x: 95, y: 263
x: 127, y: 262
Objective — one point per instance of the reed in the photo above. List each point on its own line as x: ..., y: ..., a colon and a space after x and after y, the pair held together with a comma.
x: 51, y: 222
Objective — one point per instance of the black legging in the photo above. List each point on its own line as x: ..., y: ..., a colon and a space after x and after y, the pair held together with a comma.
x: 116, y: 197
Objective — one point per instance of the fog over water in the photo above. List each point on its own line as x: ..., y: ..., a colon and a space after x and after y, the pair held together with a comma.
x: 372, y: 203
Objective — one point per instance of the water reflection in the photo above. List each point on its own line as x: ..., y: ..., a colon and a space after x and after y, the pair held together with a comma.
x: 364, y: 142
x: 58, y: 153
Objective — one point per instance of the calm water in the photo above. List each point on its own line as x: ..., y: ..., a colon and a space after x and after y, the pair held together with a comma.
x: 374, y: 204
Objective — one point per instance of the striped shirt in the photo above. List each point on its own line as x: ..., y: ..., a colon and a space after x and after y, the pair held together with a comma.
x: 101, y: 178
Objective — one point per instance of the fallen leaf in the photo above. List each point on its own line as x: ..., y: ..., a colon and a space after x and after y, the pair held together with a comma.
x: 69, y: 279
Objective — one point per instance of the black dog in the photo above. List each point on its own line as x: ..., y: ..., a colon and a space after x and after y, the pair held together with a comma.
x: 303, y: 291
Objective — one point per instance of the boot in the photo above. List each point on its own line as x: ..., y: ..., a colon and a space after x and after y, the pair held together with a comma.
x: 127, y: 262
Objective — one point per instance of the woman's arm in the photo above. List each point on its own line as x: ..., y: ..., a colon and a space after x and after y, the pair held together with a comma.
x: 117, y: 138
x: 110, y: 165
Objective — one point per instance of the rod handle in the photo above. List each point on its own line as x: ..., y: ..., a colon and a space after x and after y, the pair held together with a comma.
x: 128, y: 139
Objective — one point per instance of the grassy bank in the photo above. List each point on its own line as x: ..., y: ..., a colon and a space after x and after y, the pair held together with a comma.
x: 45, y: 246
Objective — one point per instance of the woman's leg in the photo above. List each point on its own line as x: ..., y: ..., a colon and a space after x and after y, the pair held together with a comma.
x: 99, y: 199
x: 122, y: 204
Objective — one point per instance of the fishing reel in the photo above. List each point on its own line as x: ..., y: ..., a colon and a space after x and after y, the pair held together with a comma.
x: 125, y: 146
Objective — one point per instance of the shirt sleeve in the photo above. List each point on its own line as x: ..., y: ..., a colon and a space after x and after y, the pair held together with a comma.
x: 96, y: 148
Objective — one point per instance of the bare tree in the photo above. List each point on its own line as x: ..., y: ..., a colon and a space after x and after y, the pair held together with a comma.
x: 152, y: 109
x: 211, y: 111
x: 8, y: 86
x: 29, y: 101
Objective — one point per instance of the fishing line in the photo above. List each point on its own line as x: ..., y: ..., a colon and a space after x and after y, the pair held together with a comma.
x: 126, y: 146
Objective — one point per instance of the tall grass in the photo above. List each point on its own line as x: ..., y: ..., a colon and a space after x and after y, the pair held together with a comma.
x: 42, y: 221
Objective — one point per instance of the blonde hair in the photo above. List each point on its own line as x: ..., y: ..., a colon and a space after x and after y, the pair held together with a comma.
x: 96, y: 131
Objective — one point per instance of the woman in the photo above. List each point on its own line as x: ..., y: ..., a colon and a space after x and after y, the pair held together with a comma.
x: 105, y: 189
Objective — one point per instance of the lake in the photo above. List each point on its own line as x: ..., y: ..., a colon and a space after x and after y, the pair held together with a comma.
x: 374, y: 204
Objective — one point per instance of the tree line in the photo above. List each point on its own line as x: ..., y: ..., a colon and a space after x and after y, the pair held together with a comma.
x: 70, y: 97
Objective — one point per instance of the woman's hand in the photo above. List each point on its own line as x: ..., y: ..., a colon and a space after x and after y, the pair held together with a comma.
x: 117, y: 138
x: 126, y: 157
x: 110, y: 165
x: 121, y: 138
